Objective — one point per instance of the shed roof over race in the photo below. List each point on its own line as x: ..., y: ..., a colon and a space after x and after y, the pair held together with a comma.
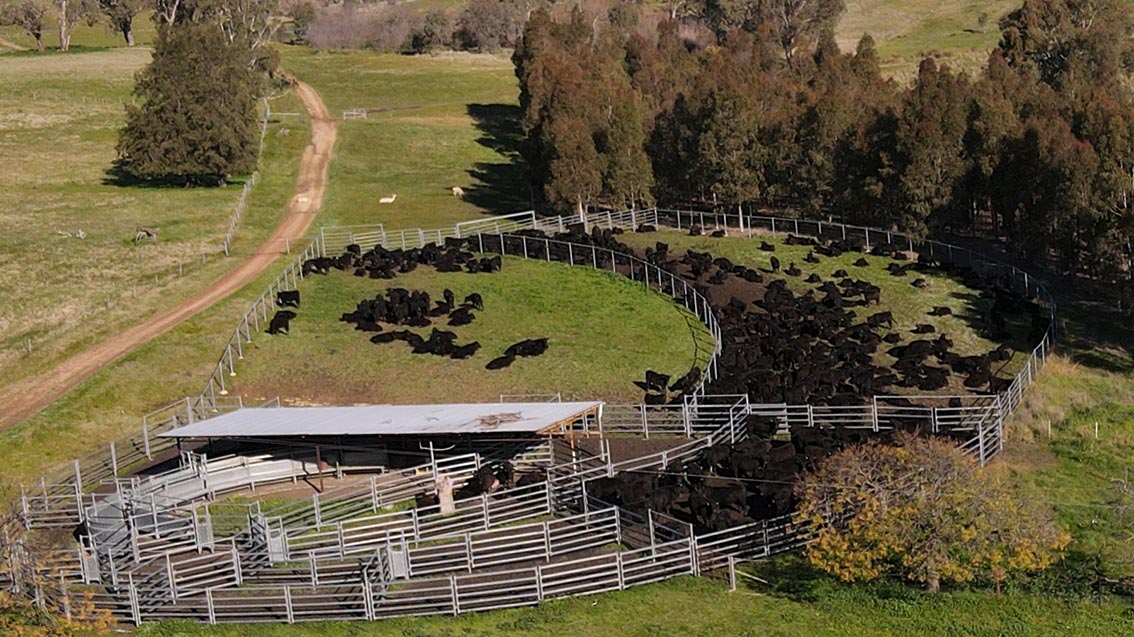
x: 390, y: 420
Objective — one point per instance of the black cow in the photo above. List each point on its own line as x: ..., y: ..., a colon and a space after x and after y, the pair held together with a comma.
x: 461, y: 316
x: 881, y: 318
x: 527, y: 347
x: 474, y: 300
x: 500, y: 362
x: 656, y: 381
x: 464, y: 351
x: 288, y: 298
x: 687, y: 383
x: 505, y: 474
x: 280, y: 323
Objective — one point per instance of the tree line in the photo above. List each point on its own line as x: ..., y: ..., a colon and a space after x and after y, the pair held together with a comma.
x: 32, y: 16
x: 1037, y: 147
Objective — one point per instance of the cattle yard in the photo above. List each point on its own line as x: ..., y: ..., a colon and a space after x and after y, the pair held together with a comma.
x: 325, y: 361
x: 609, y: 499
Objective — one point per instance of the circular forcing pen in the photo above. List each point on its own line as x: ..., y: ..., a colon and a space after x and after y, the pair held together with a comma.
x: 611, y: 402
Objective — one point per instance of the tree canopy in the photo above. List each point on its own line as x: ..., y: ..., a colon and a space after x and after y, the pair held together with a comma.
x: 1035, y: 148
x: 196, y: 123
x: 924, y: 510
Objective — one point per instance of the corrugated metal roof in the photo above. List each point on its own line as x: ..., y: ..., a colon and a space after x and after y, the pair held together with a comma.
x: 397, y: 420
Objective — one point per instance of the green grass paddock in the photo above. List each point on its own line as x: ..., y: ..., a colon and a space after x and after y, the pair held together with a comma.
x: 604, y: 332
x: 692, y: 607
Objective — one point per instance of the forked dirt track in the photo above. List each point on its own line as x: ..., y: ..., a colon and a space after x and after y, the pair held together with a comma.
x: 26, y: 398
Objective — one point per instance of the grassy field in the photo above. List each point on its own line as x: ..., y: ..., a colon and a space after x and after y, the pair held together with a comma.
x: 604, y: 331
x: 434, y: 122
x: 176, y: 365
x: 422, y: 137
x: 795, y: 603
x: 906, y: 30
x: 61, y: 293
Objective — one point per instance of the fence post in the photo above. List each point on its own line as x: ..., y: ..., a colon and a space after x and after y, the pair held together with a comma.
x: 731, y: 574
x: 980, y: 442
x: 169, y: 576
x: 211, y: 608
x: 453, y: 591
x: 618, y: 526
x: 694, y: 566
x: 621, y: 573
x: 238, y: 572
x: 78, y: 478
x: 650, y: 528
x: 132, y: 595
x: 469, y: 551
x: 367, y: 599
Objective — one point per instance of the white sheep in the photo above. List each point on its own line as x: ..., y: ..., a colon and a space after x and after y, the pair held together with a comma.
x: 389, y: 199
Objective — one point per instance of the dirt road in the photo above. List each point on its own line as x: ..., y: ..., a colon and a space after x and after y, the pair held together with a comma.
x: 24, y: 399
x: 8, y: 44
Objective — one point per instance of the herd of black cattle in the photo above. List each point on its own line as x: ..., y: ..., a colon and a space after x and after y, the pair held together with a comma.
x: 783, y: 346
x: 411, y: 308
x: 777, y: 346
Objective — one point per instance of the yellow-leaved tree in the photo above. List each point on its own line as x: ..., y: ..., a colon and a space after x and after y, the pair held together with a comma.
x: 923, y: 509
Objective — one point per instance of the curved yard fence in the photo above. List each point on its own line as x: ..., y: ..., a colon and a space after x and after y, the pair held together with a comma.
x: 159, y: 549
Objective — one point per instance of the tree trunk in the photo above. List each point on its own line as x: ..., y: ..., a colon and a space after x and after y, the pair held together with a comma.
x: 933, y: 583
x: 39, y: 42
x: 128, y: 33
x: 64, y: 36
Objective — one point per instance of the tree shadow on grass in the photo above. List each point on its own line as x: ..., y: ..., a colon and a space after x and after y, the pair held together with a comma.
x: 788, y: 575
x: 117, y: 176
x: 499, y: 187
x: 1092, y: 329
